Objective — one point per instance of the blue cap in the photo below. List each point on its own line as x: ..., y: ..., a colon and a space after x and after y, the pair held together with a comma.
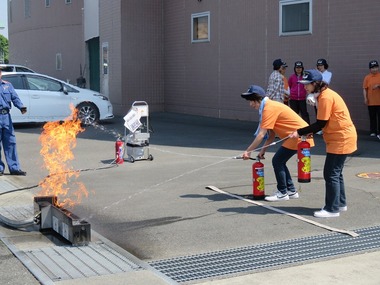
x: 310, y: 76
x: 253, y: 89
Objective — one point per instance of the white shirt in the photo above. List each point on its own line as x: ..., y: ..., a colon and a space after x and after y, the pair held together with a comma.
x: 326, y: 76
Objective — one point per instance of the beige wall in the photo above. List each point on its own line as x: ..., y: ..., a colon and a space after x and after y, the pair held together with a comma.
x: 207, y: 78
x: 152, y: 58
x: 34, y: 41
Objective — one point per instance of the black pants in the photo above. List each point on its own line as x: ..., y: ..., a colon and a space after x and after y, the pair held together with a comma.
x: 299, y: 106
x: 374, y: 119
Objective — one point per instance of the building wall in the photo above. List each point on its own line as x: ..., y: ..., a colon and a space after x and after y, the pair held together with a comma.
x: 34, y: 41
x: 151, y: 57
x: 134, y: 31
x: 110, y: 32
x: 207, y: 78
x: 142, y: 53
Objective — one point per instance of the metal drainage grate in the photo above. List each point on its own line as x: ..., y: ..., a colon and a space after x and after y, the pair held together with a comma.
x: 264, y: 256
x: 67, y: 262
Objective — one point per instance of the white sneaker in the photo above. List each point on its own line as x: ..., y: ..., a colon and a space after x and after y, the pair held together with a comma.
x: 293, y: 195
x: 277, y: 196
x: 372, y: 135
x: 378, y: 136
x: 343, y: 209
x: 320, y: 133
x: 325, y: 214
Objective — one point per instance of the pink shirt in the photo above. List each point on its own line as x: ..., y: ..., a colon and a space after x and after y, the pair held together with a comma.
x: 297, y: 90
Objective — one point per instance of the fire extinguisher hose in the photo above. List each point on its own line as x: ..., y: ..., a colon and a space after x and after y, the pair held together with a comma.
x: 351, y: 233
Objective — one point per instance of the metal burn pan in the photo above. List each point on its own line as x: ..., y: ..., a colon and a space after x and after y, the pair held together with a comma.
x: 61, y: 221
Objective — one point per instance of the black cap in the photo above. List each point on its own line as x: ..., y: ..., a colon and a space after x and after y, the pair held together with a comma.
x: 321, y: 61
x: 373, y: 63
x: 278, y: 63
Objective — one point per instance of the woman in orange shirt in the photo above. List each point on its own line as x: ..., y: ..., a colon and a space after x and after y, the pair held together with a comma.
x: 278, y: 119
x: 340, y: 136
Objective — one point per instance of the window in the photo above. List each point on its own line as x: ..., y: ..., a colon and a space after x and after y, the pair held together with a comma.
x: 23, y: 69
x: 105, y: 57
x: 200, y: 27
x: 67, y: 1
x: 27, y: 8
x: 43, y: 84
x: 58, y: 61
x: 16, y: 81
x: 47, y: 3
x: 295, y: 17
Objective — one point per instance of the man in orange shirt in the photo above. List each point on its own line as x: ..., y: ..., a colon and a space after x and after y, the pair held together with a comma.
x: 278, y: 119
x: 371, y: 93
x: 340, y: 136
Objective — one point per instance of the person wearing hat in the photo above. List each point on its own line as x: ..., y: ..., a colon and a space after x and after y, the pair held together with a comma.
x: 371, y: 93
x: 322, y: 66
x: 9, y: 97
x: 339, y: 134
x: 276, y: 89
x: 275, y: 118
x: 298, y: 93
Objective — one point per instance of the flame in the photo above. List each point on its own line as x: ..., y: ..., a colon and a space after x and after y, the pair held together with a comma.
x: 57, y: 140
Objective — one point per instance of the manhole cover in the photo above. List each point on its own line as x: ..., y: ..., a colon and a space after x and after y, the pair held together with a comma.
x: 372, y: 175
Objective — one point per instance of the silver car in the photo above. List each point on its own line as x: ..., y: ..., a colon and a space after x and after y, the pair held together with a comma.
x: 49, y: 99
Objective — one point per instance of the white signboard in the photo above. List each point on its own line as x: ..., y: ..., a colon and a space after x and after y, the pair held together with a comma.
x: 132, y: 120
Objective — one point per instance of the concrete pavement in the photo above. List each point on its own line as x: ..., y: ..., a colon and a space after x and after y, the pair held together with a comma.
x: 191, y: 152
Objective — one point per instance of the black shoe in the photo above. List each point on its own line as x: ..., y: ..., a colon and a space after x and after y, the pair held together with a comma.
x: 18, y: 172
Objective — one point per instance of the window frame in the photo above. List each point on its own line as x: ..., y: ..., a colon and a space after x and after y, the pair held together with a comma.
x: 68, y: 2
x: 105, y: 58
x: 47, y: 3
x: 295, y: 2
x: 27, y: 8
x: 196, y: 16
x: 58, y: 61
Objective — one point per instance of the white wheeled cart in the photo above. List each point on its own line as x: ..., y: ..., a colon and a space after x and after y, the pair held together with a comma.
x: 137, y: 139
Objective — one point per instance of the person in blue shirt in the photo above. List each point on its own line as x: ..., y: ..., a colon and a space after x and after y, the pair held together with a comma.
x: 8, y: 96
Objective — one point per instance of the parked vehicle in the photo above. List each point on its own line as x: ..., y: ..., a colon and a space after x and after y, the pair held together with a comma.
x: 49, y: 99
x: 14, y: 68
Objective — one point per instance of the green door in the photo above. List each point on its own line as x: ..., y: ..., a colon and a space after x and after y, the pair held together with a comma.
x: 94, y: 61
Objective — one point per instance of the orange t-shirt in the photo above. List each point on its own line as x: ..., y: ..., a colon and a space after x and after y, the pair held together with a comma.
x: 282, y: 120
x: 339, y: 133
x: 373, y: 94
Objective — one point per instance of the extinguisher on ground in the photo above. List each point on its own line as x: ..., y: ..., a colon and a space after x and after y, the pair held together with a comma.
x: 304, y: 161
x: 258, y: 180
x: 119, y: 151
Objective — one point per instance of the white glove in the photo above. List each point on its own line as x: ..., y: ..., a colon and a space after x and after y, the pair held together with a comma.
x: 310, y: 99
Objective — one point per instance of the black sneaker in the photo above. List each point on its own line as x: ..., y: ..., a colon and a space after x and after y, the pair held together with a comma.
x: 18, y: 172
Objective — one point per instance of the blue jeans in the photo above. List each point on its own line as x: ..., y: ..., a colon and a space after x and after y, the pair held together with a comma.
x: 333, y: 175
x: 284, y: 180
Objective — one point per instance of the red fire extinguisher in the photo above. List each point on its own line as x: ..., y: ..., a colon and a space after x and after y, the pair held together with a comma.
x: 119, y: 151
x: 258, y: 180
x: 304, y: 161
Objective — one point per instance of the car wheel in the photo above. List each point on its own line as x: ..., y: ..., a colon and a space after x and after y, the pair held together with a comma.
x: 88, y: 113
